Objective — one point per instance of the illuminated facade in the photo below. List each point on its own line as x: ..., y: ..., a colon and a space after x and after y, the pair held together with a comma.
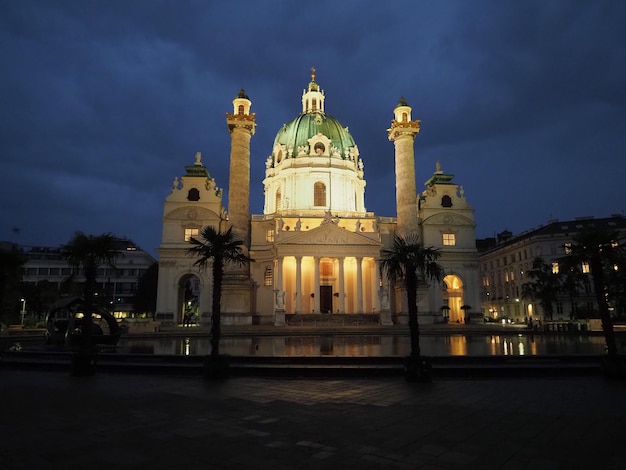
x: 505, y: 260
x: 316, y: 247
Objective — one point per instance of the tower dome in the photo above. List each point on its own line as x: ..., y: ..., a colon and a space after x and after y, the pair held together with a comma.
x: 315, y: 163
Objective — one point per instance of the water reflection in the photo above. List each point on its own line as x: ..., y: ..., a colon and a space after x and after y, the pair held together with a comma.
x: 372, y: 345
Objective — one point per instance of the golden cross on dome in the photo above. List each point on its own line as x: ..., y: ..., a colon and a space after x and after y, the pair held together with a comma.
x: 313, y: 73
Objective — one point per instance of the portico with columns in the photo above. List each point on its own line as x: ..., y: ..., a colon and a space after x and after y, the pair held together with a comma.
x: 328, y: 270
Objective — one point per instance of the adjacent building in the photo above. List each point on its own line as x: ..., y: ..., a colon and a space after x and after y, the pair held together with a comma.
x: 117, y: 284
x: 505, y: 260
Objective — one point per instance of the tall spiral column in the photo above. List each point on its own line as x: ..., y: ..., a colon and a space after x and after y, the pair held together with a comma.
x: 402, y: 133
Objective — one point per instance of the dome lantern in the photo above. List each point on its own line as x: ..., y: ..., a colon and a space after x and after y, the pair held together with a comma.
x: 313, y: 97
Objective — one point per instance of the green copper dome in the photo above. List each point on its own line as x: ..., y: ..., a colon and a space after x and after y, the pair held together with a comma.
x: 296, y: 133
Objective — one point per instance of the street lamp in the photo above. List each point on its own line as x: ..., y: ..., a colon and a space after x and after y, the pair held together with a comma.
x: 23, y: 312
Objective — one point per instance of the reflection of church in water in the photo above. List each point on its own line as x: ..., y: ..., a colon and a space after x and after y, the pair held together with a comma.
x: 316, y: 248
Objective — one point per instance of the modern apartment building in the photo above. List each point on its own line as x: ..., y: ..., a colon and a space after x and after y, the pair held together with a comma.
x: 117, y: 284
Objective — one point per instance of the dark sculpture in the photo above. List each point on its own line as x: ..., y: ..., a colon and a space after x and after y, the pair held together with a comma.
x: 64, y: 324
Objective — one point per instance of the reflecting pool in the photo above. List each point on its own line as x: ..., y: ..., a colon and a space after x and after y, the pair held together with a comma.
x: 373, y: 345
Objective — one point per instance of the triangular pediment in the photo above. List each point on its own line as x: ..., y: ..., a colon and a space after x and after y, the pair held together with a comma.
x: 327, y: 234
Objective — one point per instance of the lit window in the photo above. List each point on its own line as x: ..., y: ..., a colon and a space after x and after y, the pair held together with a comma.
x: 269, y: 236
x: 555, y: 268
x: 512, y: 275
x: 585, y: 267
x: 268, y: 278
x: 319, y: 194
x: 191, y: 232
x: 449, y: 239
x: 506, y: 277
x: 568, y: 248
x: 279, y: 200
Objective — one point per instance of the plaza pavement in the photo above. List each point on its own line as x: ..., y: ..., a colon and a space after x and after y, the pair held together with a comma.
x: 50, y: 420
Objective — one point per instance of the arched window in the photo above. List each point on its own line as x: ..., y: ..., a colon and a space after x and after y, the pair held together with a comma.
x: 405, y: 117
x: 240, y: 109
x: 193, y: 195
x: 446, y: 201
x: 319, y: 194
x: 314, y: 104
x: 279, y: 200
x: 319, y: 148
x: 279, y: 156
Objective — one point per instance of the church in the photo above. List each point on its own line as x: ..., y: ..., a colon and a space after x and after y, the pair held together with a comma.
x: 316, y: 249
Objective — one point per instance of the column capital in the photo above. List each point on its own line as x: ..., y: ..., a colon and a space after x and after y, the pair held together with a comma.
x: 400, y: 129
x: 241, y: 123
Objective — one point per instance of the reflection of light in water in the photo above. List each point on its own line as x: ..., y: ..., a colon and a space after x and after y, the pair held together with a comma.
x: 458, y: 345
x: 370, y: 345
x: 493, y: 346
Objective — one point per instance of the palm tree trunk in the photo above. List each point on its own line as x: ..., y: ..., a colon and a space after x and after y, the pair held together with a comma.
x: 216, y: 333
x: 216, y: 316
x: 414, y: 328
x: 607, y: 325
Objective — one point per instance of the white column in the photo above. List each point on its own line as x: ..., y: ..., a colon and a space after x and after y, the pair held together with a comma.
x: 342, y: 303
x: 278, y: 282
x: 316, y: 289
x: 375, y: 286
x: 298, y: 284
x: 359, y: 285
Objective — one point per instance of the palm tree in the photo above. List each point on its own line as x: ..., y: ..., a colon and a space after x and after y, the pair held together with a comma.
x: 216, y: 249
x: 543, y: 287
x: 89, y: 252
x: 601, y: 250
x: 408, y: 262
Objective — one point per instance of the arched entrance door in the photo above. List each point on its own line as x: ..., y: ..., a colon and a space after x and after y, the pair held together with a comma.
x: 453, y: 298
x: 189, y: 299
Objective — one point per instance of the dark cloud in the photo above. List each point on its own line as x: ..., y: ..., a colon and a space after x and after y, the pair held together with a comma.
x: 105, y: 102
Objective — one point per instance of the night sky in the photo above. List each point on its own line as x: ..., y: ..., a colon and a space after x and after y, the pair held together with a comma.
x: 104, y: 103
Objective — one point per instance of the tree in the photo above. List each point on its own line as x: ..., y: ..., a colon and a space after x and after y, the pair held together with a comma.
x: 216, y: 249
x: 144, y: 300
x: 571, y: 280
x: 602, y: 251
x: 89, y: 252
x: 39, y: 297
x: 11, y: 271
x: 543, y: 287
x: 406, y: 263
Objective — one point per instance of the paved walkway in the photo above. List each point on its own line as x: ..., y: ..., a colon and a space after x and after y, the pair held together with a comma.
x: 50, y: 420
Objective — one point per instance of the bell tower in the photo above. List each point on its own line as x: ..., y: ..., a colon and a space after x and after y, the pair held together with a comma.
x: 402, y: 133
